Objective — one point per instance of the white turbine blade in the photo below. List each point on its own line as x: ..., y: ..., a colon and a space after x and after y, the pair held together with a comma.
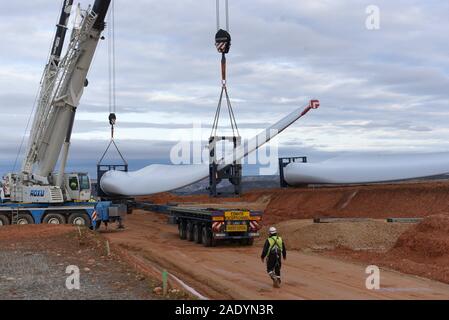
x: 161, y: 178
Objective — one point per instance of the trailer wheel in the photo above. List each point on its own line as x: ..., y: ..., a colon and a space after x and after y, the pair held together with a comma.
x: 79, y: 219
x: 182, y: 230
x: 197, y: 232
x: 97, y: 225
x: 206, y: 237
x: 4, y: 221
x: 189, y: 230
x: 54, y: 218
x: 24, y: 218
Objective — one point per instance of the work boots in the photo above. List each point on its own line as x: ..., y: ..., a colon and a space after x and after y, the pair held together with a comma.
x: 276, y: 279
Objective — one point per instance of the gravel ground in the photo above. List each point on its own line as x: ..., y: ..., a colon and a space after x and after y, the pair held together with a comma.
x: 35, y: 268
x: 374, y: 235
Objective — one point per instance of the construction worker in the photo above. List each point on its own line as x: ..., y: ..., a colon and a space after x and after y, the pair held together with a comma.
x: 272, y: 250
x: 73, y: 185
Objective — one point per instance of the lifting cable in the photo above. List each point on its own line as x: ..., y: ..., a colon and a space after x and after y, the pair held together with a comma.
x: 223, y: 44
x: 112, y: 83
x: 111, y: 69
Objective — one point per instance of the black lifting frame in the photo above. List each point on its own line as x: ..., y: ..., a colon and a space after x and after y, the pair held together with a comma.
x: 219, y: 171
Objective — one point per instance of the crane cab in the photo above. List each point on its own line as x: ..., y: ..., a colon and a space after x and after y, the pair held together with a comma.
x: 77, y: 186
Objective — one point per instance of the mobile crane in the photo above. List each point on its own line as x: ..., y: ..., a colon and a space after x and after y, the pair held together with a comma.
x: 38, y: 194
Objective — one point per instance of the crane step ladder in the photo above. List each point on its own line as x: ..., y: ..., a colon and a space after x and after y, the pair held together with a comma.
x: 15, y: 216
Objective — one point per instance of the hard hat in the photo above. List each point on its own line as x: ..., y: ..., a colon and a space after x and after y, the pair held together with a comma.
x: 272, y: 230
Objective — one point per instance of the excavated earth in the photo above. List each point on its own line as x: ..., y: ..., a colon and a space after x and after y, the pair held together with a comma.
x: 420, y: 249
x: 373, y: 201
x: 230, y: 271
x: 325, y: 260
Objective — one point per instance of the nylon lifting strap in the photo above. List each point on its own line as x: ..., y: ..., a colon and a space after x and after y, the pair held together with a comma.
x: 275, y: 242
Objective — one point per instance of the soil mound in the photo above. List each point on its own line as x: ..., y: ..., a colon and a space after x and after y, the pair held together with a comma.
x: 417, y: 199
x: 430, y: 238
x: 367, y: 235
x: 421, y: 250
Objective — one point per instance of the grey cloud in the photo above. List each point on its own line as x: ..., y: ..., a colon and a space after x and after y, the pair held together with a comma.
x: 284, y: 53
x: 399, y: 125
x: 90, y: 125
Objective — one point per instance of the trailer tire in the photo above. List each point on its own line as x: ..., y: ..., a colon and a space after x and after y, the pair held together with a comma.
x: 4, y: 221
x: 182, y: 230
x: 206, y: 237
x: 189, y: 230
x: 197, y: 231
x: 97, y: 225
x: 25, y: 218
x: 79, y: 219
x: 54, y: 218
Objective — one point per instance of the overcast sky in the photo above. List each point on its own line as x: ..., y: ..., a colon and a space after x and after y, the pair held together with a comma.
x: 381, y: 91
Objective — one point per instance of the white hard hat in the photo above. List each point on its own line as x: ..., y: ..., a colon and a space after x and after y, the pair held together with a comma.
x: 272, y: 230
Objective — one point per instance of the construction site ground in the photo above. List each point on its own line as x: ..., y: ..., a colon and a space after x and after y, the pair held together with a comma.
x: 325, y: 260
x: 34, y: 261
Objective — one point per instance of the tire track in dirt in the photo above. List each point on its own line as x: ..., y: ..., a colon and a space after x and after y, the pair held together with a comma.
x: 231, y: 272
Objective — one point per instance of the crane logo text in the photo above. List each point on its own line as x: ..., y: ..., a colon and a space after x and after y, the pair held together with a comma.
x: 37, y: 193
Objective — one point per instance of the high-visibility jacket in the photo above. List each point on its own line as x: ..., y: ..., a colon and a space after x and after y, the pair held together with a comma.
x: 275, y: 241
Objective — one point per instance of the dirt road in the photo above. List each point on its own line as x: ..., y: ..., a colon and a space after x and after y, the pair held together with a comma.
x: 232, y: 272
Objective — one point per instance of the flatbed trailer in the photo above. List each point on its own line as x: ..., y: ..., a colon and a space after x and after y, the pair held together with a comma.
x: 211, y: 225
x: 89, y: 214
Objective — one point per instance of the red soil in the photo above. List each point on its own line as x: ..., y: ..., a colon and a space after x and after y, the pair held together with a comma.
x: 428, y: 239
x: 166, y: 197
x: 422, y: 250
x: 373, y: 201
x: 34, y: 232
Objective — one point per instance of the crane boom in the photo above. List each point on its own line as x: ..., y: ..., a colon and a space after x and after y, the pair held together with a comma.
x: 61, y: 88
x: 47, y: 85
x: 62, y: 91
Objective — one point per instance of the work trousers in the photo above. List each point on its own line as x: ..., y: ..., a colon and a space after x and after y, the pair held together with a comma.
x: 274, y: 264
